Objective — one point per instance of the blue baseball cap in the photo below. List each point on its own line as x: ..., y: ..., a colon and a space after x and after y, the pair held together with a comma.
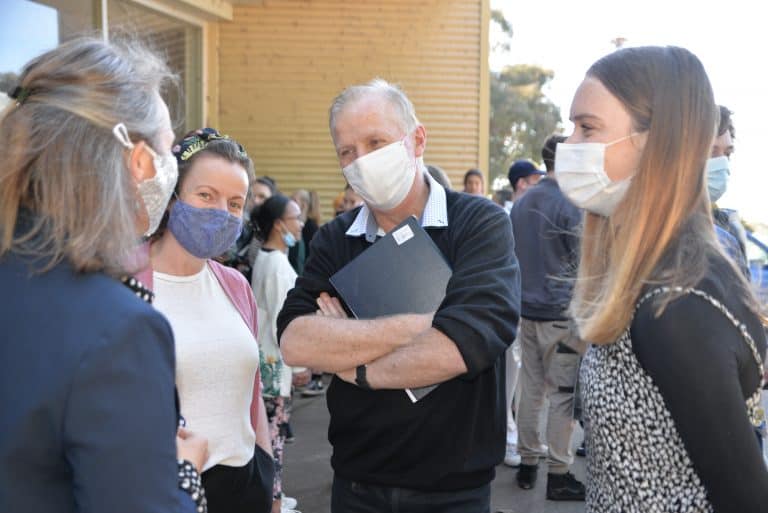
x: 521, y: 169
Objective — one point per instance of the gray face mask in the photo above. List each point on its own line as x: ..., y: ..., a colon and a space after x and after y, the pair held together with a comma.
x: 718, y: 173
x: 155, y: 192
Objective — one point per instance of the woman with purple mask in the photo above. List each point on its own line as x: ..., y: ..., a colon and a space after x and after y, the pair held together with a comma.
x: 213, y: 315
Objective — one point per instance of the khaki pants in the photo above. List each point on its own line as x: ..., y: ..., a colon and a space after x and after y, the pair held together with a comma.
x: 551, y: 351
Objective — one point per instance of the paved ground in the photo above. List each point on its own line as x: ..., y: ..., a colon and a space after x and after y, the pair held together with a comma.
x: 308, y: 472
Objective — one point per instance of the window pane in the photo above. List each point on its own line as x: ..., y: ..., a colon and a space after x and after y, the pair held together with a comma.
x: 181, y: 45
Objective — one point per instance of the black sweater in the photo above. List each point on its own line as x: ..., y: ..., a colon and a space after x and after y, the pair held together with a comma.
x: 705, y: 370
x: 454, y: 437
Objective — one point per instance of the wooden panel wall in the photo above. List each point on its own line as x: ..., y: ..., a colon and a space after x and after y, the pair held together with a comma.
x: 281, y: 62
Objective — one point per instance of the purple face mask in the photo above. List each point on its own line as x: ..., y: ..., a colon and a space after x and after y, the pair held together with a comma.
x: 204, y: 232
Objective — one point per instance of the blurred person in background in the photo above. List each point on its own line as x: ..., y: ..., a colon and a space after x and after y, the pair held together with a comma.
x: 262, y: 188
x: 298, y: 255
x: 504, y: 198
x: 242, y: 254
x: 474, y: 182
x: 522, y: 175
x: 546, y: 227
x: 338, y: 204
x: 279, y: 225
x: 730, y: 231
x: 310, y: 216
x: 352, y: 199
x: 440, y: 176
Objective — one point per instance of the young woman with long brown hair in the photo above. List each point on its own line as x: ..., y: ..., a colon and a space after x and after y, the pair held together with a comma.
x: 671, y: 383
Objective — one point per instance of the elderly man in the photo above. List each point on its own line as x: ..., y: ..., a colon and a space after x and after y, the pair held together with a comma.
x: 439, y: 453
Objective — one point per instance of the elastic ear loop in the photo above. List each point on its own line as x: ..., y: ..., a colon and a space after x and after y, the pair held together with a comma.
x: 621, y: 139
x: 121, y: 133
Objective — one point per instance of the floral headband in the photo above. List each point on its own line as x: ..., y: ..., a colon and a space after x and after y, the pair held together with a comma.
x: 197, y: 140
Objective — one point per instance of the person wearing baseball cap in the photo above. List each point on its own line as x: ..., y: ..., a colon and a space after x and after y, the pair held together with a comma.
x: 522, y: 175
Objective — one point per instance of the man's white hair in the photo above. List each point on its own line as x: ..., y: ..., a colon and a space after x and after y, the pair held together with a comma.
x: 390, y: 92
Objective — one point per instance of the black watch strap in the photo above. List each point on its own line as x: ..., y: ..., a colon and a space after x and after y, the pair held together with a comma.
x: 360, y: 377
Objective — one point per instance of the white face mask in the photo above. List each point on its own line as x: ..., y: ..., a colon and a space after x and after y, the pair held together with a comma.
x: 155, y: 191
x: 718, y: 173
x: 579, y: 170
x: 383, y: 177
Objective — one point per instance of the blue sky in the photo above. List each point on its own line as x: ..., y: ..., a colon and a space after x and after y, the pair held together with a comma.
x: 19, y: 42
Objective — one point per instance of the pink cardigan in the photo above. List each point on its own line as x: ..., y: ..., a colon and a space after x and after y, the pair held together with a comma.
x: 239, y: 292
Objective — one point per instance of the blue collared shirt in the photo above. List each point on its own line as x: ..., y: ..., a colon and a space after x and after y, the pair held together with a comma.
x: 435, y: 214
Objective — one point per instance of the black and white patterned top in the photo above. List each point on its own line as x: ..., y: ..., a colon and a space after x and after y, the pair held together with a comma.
x: 637, y: 460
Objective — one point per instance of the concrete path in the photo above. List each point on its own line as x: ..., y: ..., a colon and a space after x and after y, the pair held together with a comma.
x: 308, y: 475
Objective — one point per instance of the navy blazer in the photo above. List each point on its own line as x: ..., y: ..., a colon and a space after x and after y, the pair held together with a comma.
x: 87, y: 413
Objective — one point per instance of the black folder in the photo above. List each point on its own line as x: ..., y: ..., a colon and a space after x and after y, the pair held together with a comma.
x: 403, y: 272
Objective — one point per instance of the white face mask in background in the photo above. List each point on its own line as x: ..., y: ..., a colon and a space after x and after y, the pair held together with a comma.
x: 718, y: 171
x: 580, y: 172
x: 383, y: 177
x: 155, y: 191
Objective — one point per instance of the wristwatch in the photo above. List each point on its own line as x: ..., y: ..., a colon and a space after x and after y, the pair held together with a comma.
x: 360, y: 378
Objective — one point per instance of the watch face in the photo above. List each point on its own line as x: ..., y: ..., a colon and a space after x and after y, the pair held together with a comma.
x: 360, y: 377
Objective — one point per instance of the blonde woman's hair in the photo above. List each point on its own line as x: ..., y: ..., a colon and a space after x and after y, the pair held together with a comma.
x: 662, y: 231
x: 65, y: 189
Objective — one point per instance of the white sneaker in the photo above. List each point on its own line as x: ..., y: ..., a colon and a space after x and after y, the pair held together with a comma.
x: 512, y: 457
x: 289, y: 509
x: 288, y: 503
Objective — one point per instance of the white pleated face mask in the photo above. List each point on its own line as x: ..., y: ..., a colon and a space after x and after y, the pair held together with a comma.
x: 580, y: 173
x: 383, y: 177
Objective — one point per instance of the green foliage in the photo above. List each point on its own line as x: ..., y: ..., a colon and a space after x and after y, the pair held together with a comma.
x: 498, y: 17
x: 522, y: 117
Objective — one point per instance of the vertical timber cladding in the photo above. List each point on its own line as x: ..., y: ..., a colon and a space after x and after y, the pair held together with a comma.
x: 281, y: 63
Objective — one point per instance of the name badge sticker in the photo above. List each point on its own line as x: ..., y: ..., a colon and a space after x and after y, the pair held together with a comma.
x: 403, y: 235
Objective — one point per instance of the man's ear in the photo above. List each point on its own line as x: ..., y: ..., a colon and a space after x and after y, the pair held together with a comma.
x: 140, y: 163
x: 420, y: 140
